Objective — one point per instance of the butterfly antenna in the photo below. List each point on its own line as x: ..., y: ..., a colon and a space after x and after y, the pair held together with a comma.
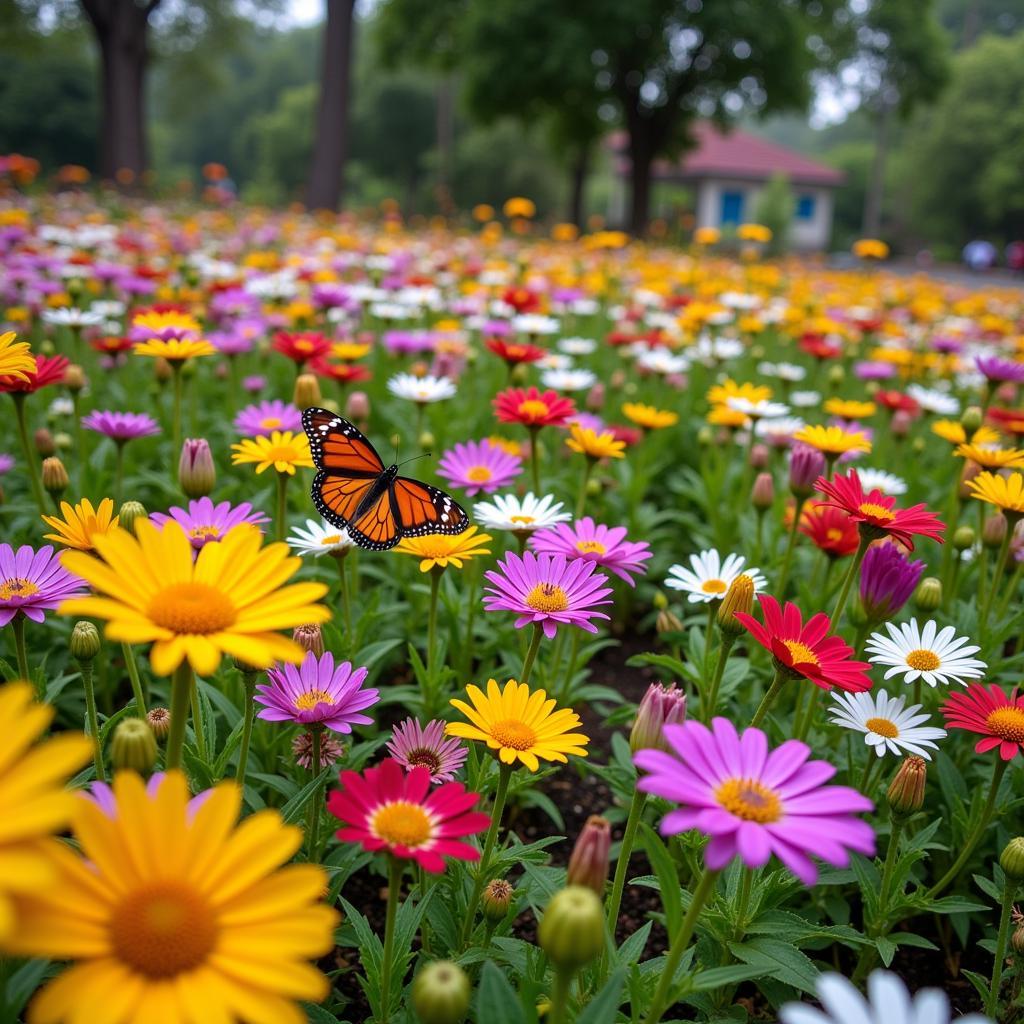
x: 422, y: 455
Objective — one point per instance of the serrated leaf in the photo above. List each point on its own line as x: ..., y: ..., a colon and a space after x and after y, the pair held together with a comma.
x: 602, y: 1009
x: 292, y: 810
x: 779, y: 960
x: 496, y: 1000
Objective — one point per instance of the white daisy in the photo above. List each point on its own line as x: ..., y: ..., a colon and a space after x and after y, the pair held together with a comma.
x: 932, y: 400
x: 888, y: 1002
x: 723, y: 349
x: 760, y: 410
x: 661, y: 360
x: 936, y: 656
x: 568, y: 380
x: 534, y: 323
x: 422, y: 390
x: 805, y: 399
x: 69, y: 316
x: 709, y: 577
x: 555, y: 361
x: 577, y: 346
x: 779, y: 431
x: 789, y: 372
x: 521, y: 515
x: 887, y: 483
x: 319, y: 538
x: 887, y: 725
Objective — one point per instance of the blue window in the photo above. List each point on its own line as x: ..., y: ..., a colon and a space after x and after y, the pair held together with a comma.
x: 805, y: 208
x: 732, y: 207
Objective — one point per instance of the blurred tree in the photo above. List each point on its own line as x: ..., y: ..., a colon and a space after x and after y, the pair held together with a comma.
x: 774, y: 209
x: 967, y: 20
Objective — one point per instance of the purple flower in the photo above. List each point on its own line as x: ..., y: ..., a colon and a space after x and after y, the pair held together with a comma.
x: 33, y: 582
x: 6, y: 463
x: 412, y: 744
x: 887, y: 579
x: 874, y: 371
x: 479, y: 466
x: 121, y: 426
x: 549, y: 590
x: 230, y: 343
x: 998, y: 370
x: 263, y: 418
x: 204, y: 522
x: 605, y: 546
x: 408, y: 342
x: 806, y: 464
x: 317, y: 691
x: 254, y: 384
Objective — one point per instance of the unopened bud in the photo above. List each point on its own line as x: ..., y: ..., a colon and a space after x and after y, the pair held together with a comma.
x: 159, y: 720
x: 357, y: 407
x: 197, y: 474
x: 133, y: 746
x: 1011, y: 860
x: 660, y: 706
x: 497, y: 899
x: 55, y: 476
x: 994, y: 530
x: 596, y: 397
x: 836, y: 375
x: 967, y: 474
x: 762, y: 496
x: 901, y: 423
x: 63, y: 441
x: 759, y: 456
x: 162, y: 370
x: 971, y: 419
x: 130, y: 514
x: 738, y: 598
x: 74, y: 378
x: 427, y: 440
x: 660, y: 601
x: 928, y: 597
x: 572, y: 929
x: 906, y: 791
x: 85, y: 641
x: 1017, y: 940
x: 441, y: 993
x: 963, y: 538
x: 668, y: 622
x: 307, y: 391
x: 309, y: 638
x: 44, y: 442
x: 588, y: 864
x: 806, y: 464
x: 705, y: 436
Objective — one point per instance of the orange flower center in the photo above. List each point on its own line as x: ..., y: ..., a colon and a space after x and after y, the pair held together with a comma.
x: 547, y: 597
x: 303, y: 346
x: 800, y: 653
x: 523, y: 519
x: 874, y: 511
x: 195, y: 608
x: 270, y: 423
x: 17, y: 586
x: 204, y: 531
x: 533, y: 409
x: 923, y: 661
x: 510, y: 732
x: 749, y: 800
x: 401, y: 823
x: 280, y: 453
x: 590, y: 547
x: 163, y: 929
x: 714, y: 587
x: 882, y: 727
x: 834, y: 534
x: 479, y: 474
x: 330, y: 540
x: 1007, y: 723
x: 309, y: 700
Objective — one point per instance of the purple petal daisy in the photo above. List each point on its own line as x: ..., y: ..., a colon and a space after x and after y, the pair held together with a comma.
x: 752, y: 802
x: 548, y: 589
x: 263, y: 418
x: 874, y: 371
x: 999, y: 370
x: 412, y: 744
x: 33, y: 582
x: 6, y: 463
x: 203, y: 521
x: 479, y: 466
x: 121, y: 426
x: 317, y: 691
x: 606, y: 546
x: 254, y: 384
x: 887, y: 579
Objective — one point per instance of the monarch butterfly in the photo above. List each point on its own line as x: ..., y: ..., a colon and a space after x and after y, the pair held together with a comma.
x: 355, y: 491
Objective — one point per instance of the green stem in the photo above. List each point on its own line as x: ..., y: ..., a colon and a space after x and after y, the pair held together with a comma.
x: 504, y: 777
x: 1000, y: 573
x: 678, y: 946
x: 132, y: 668
x: 787, y: 558
x: 531, y: 653
x: 20, y: 651
x: 574, y: 654
x: 92, y: 723
x: 558, y: 1012
x: 636, y: 808
x: 708, y: 706
x: 742, y: 902
x: 197, y: 724
x: 346, y: 598
x: 313, y: 819
x: 1009, y: 891
x: 178, y: 386
x: 709, y: 632
x: 118, y: 472
x: 181, y: 688
x: 394, y: 887
x: 534, y: 464
x: 248, y: 714
x: 803, y: 727
x: 282, y: 506
x: 581, y: 499
x: 769, y: 698
x: 31, y: 462
x: 435, y: 589
x: 851, y: 575
x: 868, y: 775
x: 889, y: 865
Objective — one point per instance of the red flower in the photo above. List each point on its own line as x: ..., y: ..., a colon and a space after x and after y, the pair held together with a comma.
x: 897, y: 401
x: 831, y: 530
x: 820, y: 347
x: 522, y: 300
x: 514, y: 353
x: 385, y: 809
x: 49, y: 370
x: 343, y: 373
x: 112, y: 345
x: 988, y: 711
x: 875, y: 511
x: 533, y: 408
x: 301, y: 348
x: 806, y: 649
x: 621, y: 432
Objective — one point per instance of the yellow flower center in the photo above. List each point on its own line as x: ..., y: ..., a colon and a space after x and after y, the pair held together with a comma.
x: 923, y: 661
x: 1007, y: 723
x: 401, y: 824
x: 882, y: 727
x: 590, y: 547
x: 204, y: 531
x: 800, y: 653
x: 749, y: 800
x: 873, y: 511
x: 533, y: 409
x: 834, y: 534
x: 714, y: 587
x: 510, y: 732
x: 17, y: 586
x: 281, y: 453
x: 479, y: 474
x: 330, y: 540
x: 303, y: 346
x: 163, y: 930
x: 309, y: 700
x: 547, y: 597
x: 270, y: 423
x: 523, y: 519
x: 192, y: 608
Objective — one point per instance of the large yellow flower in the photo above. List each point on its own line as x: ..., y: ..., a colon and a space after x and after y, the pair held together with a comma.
x: 1005, y: 492
x: 648, y: 417
x: 520, y: 724
x: 719, y: 394
x: 953, y: 432
x: 849, y: 408
x: 82, y: 523
x: 32, y: 794
x: 283, y: 450
x: 174, y: 350
x: 229, y: 601
x: 441, y: 550
x: 177, y: 915
x: 991, y: 456
x: 167, y: 324
x: 16, y: 359
x: 723, y: 416
x: 594, y: 445
x: 833, y: 441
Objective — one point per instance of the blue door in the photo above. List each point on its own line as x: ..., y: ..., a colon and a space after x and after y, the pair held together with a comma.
x: 732, y: 207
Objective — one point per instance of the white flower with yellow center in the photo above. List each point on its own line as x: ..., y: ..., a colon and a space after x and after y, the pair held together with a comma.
x: 568, y: 380
x: 762, y: 409
x: 928, y: 653
x: 319, y: 538
x: 520, y: 515
x: 887, y: 725
x: 422, y: 390
x: 708, y: 577
x: 879, y: 479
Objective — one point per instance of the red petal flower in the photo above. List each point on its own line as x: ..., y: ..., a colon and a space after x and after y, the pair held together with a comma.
x: 988, y: 711
x: 533, y: 408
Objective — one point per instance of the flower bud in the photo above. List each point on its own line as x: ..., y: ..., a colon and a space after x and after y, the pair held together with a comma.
x: 762, y: 496
x: 1011, y: 860
x: 994, y: 530
x: 806, y: 464
x: 331, y: 750
x: 836, y: 375
x: 902, y: 421
x: 1017, y: 940
x: 159, y: 720
x: 63, y: 441
x: 162, y: 370
x: 309, y: 638
x: 595, y: 397
x: 196, y: 472
x: 963, y: 538
x: 572, y: 929
x: 659, y: 707
x: 55, y: 476
x: 129, y: 515
x: 427, y: 440
x: 929, y: 594
x: 44, y: 442
x: 906, y: 791
x: 967, y: 474
x: 74, y: 378
x: 441, y: 993
x: 705, y: 436
x: 357, y: 407
x: 85, y: 641
x: 972, y: 419
x: 660, y: 601
x: 738, y: 598
x: 497, y: 899
x: 307, y: 391
x: 588, y: 864
x: 668, y: 622
x: 133, y: 746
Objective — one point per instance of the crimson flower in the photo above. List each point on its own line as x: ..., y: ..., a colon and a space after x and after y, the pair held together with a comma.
x: 533, y: 408
x: 830, y: 529
x: 987, y: 710
x: 301, y: 348
x: 343, y: 373
x: 514, y: 352
x: 897, y: 401
x: 522, y: 300
x: 49, y: 370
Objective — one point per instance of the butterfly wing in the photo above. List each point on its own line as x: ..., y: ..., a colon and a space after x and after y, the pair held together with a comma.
x: 420, y: 509
x: 338, y: 446
x: 376, y: 528
x: 337, y: 497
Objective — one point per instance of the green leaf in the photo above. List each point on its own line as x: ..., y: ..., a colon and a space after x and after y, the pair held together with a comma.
x: 22, y: 984
x: 603, y: 1007
x: 980, y: 983
x: 990, y: 888
x: 667, y: 874
x: 779, y: 960
x: 886, y: 949
x: 955, y: 905
x: 632, y: 948
x: 318, y: 1015
x: 719, y: 976
x: 496, y: 1001
x: 292, y: 810
x: 665, y: 661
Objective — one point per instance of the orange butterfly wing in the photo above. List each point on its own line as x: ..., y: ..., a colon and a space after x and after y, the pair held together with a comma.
x: 338, y: 446
x: 337, y: 497
x: 376, y: 528
x: 421, y: 509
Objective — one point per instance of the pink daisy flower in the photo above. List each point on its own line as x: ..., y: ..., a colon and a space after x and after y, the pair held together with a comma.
x: 548, y: 589
x: 121, y: 426
x: 479, y: 466
x: 387, y: 809
x: 412, y: 744
x: 204, y: 522
x: 605, y: 546
x: 33, y: 582
x: 263, y: 418
x: 317, y: 691
x: 752, y: 802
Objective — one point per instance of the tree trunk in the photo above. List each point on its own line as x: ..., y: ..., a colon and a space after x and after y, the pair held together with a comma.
x: 577, y: 185
x: 641, y: 157
x: 871, y: 225
x: 445, y: 129
x: 330, y: 144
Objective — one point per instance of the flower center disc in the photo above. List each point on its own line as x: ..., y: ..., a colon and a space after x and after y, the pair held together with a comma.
x: 547, y: 597
x: 525, y: 520
x: 479, y: 474
x: 882, y: 727
x: 515, y: 734
x: 192, y: 608
x: 749, y: 800
x: 309, y: 700
x: 800, y: 653
x: 590, y: 547
x: 923, y: 661
x: 421, y: 755
x: 875, y: 511
x: 714, y: 587
x: 18, y: 586
x: 533, y: 409
x: 401, y: 824
x: 1007, y: 724
x: 204, y: 532
x: 281, y: 453
x: 330, y: 540
x: 163, y: 930
x: 270, y: 423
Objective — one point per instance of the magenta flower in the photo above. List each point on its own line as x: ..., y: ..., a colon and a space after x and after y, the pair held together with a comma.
x: 7, y: 463
x: 479, y: 466
x: 203, y: 521
x: 412, y: 744
x: 263, y: 418
x: 752, y: 803
x: 548, y: 589
x: 33, y: 582
x: 999, y: 371
x: 121, y: 426
x: 605, y: 546
x: 317, y: 691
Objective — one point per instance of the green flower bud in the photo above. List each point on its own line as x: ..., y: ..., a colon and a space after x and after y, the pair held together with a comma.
x: 572, y: 929
x: 497, y: 899
x: 906, y: 791
x: 738, y: 598
x: 972, y: 419
x: 963, y: 538
x: 55, y: 476
x: 85, y: 641
x: 427, y: 440
x: 159, y: 720
x: 1011, y: 860
x: 441, y: 993
x: 307, y: 391
x: 660, y: 601
x: 129, y: 514
x: 133, y: 746
x: 929, y: 594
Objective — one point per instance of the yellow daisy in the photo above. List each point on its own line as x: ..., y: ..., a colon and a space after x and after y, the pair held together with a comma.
x: 33, y: 797
x: 1005, y: 492
x: 833, y: 441
x: 506, y: 445
x: 349, y: 351
x: 991, y: 456
x: 177, y: 915
x: 849, y: 408
x: 231, y: 600
x: 953, y: 432
x: 648, y: 417
x: 168, y: 324
x: 723, y: 416
x: 439, y: 550
x: 16, y: 359
x: 594, y: 445
x: 283, y: 450
x: 174, y: 350
x: 520, y: 724
x: 82, y: 523
x: 719, y: 394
